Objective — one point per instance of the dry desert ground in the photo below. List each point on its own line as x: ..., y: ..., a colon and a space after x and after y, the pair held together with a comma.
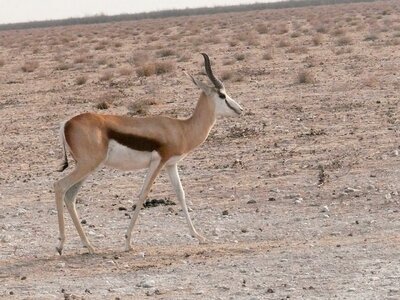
x: 299, y: 197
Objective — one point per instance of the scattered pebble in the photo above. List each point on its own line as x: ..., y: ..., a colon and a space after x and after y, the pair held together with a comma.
x: 325, y: 209
x: 298, y: 200
x: 147, y: 283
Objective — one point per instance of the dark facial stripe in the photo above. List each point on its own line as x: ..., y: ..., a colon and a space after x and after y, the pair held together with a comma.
x: 227, y: 103
x: 134, y: 142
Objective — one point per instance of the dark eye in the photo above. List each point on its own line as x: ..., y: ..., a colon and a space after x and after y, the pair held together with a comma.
x: 222, y: 96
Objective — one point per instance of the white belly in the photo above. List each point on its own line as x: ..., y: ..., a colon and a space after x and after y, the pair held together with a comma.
x: 124, y: 158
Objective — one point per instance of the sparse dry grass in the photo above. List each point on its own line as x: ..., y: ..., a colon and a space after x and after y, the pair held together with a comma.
x: 154, y: 68
x: 165, y: 52
x: 140, y: 107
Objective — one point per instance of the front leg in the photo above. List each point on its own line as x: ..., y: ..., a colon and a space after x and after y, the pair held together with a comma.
x: 155, y: 167
x: 180, y: 193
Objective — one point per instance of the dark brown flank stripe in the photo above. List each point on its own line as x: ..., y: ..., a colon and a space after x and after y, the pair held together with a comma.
x: 132, y: 141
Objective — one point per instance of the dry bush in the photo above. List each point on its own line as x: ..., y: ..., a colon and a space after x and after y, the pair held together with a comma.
x: 283, y: 43
x: 240, y: 56
x: 140, y: 107
x: 106, y: 75
x: 30, y: 66
x: 233, y: 43
x: 250, y: 38
x: 101, y: 45
x: 268, y: 55
x: 338, y: 31
x: 295, y: 34
x: 184, y: 57
x: 81, y: 59
x: 297, y: 49
x: 344, y: 40
x: 102, y: 60
x: 317, y: 39
x: 214, y: 39
x: 138, y: 58
x: 2, y: 62
x: 370, y: 81
x: 154, y: 68
x: 305, y: 76
x: 125, y: 71
x: 372, y: 36
x: 228, y: 62
x: 262, y: 28
x: 226, y: 75
x: 102, y: 105
x: 282, y: 29
x: 62, y: 66
x: 343, y: 50
x: 152, y: 38
x: 81, y: 79
x: 321, y: 29
x: 165, y: 52
x: 105, y: 100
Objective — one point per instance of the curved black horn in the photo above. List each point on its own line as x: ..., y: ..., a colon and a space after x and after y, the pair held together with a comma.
x: 217, y: 83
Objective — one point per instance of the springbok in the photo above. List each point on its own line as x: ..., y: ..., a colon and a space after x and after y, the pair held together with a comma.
x: 132, y: 143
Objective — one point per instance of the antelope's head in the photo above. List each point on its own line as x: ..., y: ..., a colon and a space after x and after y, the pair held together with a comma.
x: 224, y: 105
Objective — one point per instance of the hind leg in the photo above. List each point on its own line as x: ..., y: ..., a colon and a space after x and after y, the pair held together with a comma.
x: 71, y: 206
x: 66, y: 190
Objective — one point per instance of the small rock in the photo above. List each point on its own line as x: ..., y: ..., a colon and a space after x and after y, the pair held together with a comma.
x: 350, y: 190
x: 326, y: 216
x: 141, y: 254
x: 325, y: 209
x: 251, y: 201
x: 271, y: 199
x: 225, y: 212
x: 298, y: 200
x: 270, y: 291
x: 244, y: 230
x: 147, y: 283
x: 121, y: 208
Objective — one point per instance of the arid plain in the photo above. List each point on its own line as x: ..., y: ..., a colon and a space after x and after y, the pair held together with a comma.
x: 299, y: 197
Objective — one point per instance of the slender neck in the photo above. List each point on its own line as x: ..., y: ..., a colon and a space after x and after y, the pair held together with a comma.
x: 200, y: 123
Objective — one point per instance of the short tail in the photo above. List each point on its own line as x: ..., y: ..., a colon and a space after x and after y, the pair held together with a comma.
x: 64, y: 164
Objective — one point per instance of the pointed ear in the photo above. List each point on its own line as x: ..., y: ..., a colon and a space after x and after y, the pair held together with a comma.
x: 206, y: 89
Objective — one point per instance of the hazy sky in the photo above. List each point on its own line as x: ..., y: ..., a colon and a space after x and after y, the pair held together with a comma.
x: 12, y: 11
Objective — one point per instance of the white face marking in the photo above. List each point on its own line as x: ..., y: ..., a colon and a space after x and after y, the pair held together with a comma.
x: 226, y: 106
x: 124, y: 158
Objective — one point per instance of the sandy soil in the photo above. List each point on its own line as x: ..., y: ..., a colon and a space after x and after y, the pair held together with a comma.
x: 299, y: 197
